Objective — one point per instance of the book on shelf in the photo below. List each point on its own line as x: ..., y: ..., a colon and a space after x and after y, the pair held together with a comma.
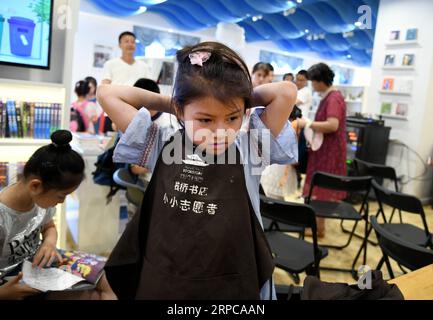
x: 29, y: 119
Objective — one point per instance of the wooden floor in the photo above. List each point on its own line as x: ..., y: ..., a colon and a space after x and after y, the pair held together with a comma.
x: 344, y: 258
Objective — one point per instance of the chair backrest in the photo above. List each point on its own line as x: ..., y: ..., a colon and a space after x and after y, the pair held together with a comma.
x: 405, y: 253
x: 297, y: 214
x: 342, y: 183
x: 400, y: 201
x: 377, y: 171
x: 404, y: 202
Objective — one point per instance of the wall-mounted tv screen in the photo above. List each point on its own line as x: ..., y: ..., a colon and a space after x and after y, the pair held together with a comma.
x: 25, y: 32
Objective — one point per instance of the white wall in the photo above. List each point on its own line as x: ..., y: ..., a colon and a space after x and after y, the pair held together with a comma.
x: 417, y: 131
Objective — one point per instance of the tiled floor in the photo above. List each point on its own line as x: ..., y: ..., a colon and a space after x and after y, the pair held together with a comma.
x: 344, y: 258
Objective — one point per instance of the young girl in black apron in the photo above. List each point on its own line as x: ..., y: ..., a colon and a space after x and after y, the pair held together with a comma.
x: 199, y: 232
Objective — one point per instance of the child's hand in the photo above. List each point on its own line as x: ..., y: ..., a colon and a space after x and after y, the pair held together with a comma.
x: 46, y: 255
x: 13, y: 290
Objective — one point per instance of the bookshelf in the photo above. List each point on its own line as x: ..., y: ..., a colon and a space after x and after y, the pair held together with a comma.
x: 354, y: 96
x: 17, y: 148
x: 397, y: 93
x: 399, y: 43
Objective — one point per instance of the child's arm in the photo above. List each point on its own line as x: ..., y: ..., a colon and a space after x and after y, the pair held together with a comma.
x: 122, y: 102
x: 13, y: 290
x: 47, y: 252
x: 279, y: 99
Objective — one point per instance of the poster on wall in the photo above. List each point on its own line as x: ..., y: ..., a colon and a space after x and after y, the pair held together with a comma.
x: 389, y: 60
x: 152, y: 43
x: 408, y: 60
x: 412, y: 34
x: 343, y: 75
x: 282, y: 63
x: 394, y: 35
x: 25, y: 32
x: 101, y: 54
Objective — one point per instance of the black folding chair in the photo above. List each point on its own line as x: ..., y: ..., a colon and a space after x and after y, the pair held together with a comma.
x: 341, y: 210
x: 269, y: 225
x: 403, y: 252
x: 405, y: 231
x: 135, y: 187
x: 291, y: 254
x: 379, y: 172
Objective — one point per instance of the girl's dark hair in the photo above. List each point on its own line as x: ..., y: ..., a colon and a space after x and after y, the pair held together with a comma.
x: 92, y: 80
x: 82, y: 88
x: 147, y: 84
x: 321, y: 72
x: 224, y: 76
x: 303, y: 73
x: 262, y: 66
x: 56, y: 164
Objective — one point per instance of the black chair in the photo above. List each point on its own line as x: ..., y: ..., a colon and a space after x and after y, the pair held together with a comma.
x: 404, y: 203
x: 341, y: 210
x: 403, y: 252
x: 291, y: 254
x: 135, y: 187
x: 405, y: 231
x: 379, y: 172
x: 269, y: 225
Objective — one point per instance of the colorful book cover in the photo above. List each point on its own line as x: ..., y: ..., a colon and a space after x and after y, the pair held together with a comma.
x: 12, y: 119
x: 412, y: 34
x: 87, y: 266
x: 386, y: 108
x: 388, y: 84
x: 6, y: 121
x: 19, y: 120
x: 401, y: 109
x: 46, y: 131
x: 38, y: 120
x: 24, y: 118
x: 32, y: 120
x: 1, y: 119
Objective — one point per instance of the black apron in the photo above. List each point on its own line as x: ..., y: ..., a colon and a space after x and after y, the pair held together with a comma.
x: 196, y: 237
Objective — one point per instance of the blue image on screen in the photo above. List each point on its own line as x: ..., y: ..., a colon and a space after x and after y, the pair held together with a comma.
x: 25, y: 27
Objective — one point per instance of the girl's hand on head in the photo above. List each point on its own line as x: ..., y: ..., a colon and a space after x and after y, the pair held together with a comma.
x: 14, y: 290
x: 46, y: 255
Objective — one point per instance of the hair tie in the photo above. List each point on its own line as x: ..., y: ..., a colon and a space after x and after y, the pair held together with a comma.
x: 199, y: 57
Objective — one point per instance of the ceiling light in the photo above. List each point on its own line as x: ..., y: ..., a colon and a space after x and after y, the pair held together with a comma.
x: 306, y: 30
x: 142, y: 9
x: 299, y: 1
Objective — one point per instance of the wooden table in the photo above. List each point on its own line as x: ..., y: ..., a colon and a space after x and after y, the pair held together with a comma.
x: 416, y: 285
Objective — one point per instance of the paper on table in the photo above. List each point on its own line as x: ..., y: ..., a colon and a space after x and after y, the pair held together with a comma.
x: 50, y: 279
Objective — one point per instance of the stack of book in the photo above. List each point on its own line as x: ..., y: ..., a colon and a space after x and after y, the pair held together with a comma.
x: 29, y: 119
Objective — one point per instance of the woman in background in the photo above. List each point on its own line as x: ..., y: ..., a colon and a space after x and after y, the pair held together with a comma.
x: 331, y: 121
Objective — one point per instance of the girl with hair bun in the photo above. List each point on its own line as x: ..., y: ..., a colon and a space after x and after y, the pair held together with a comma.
x: 27, y: 209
